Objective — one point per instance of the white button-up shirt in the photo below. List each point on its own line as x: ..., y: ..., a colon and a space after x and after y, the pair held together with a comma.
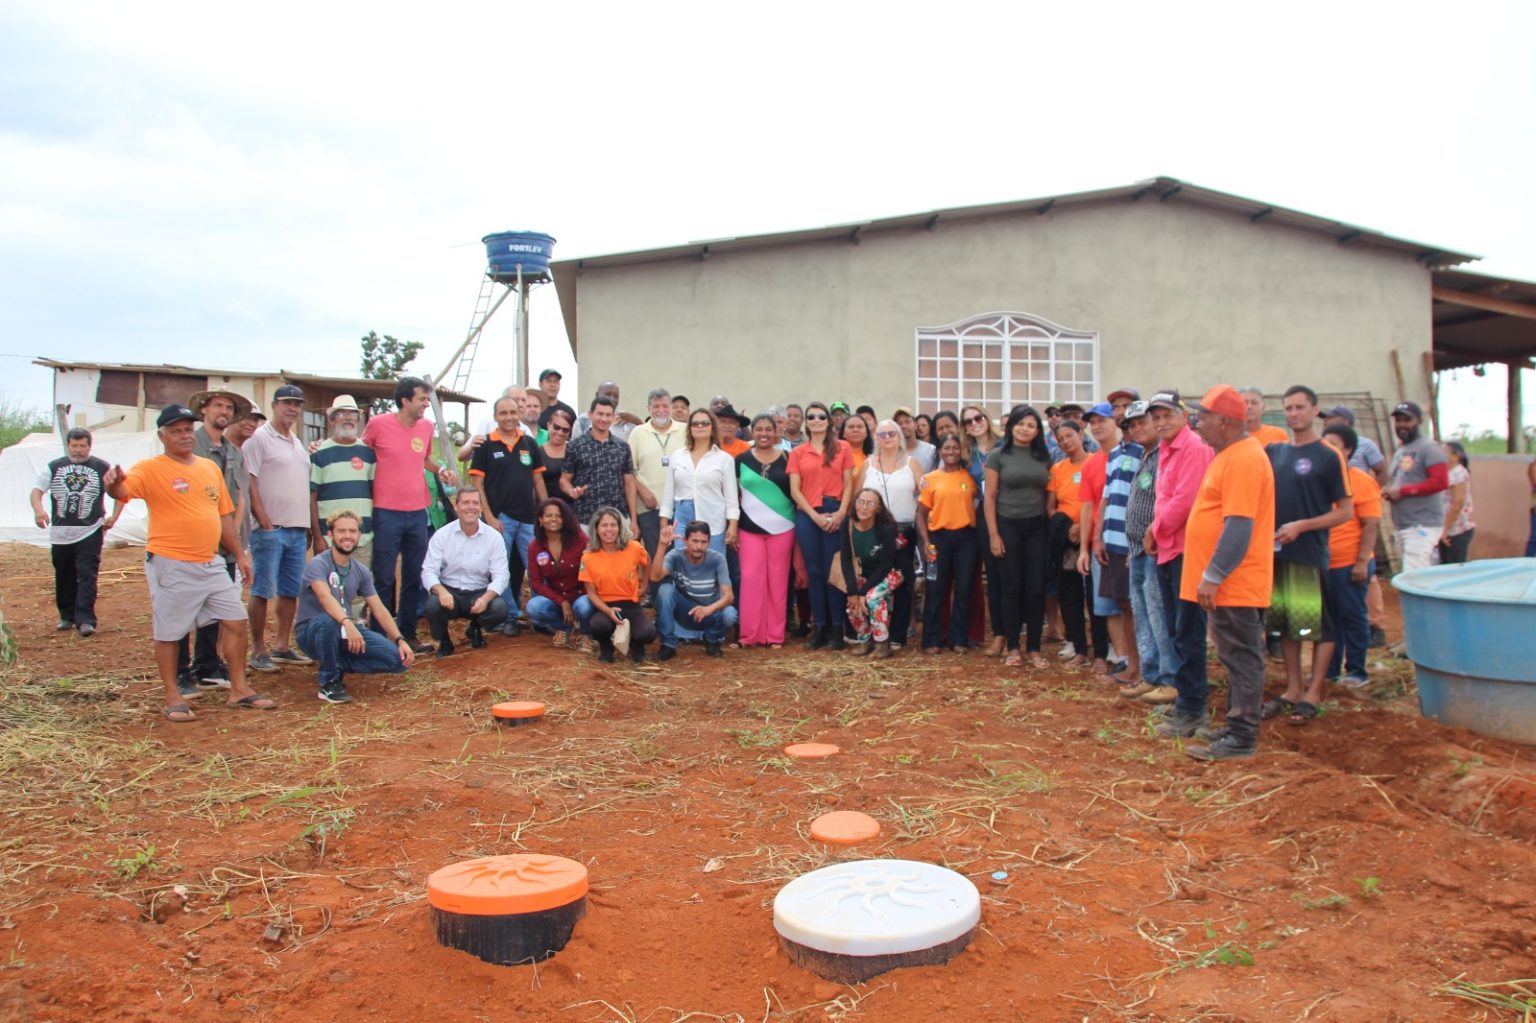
x: 710, y: 485
x: 463, y: 562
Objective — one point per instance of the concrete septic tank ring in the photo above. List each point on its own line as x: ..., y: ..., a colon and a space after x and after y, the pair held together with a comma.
x: 844, y: 827
x: 518, y: 712
x: 811, y: 750
x: 853, y: 921
x: 508, y: 909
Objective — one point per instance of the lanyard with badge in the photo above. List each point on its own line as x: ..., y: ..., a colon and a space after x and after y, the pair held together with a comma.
x: 663, y: 441
x: 338, y: 581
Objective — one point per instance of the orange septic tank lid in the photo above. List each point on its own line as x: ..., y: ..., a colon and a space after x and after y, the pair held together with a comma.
x: 844, y: 827
x: 518, y: 709
x: 506, y: 885
x: 811, y: 750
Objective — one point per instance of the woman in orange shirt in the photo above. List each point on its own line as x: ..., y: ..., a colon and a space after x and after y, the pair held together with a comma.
x: 821, y: 485
x: 614, y: 569
x: 855, y: 432
x: 1062, y: 506
x: 946, y: 527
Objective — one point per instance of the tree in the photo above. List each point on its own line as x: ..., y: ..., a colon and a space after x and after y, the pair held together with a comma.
x: 385, y: 358
x: 17, y: 420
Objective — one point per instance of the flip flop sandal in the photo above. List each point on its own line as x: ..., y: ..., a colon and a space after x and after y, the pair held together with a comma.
x: 1013, y: 660
x: 169, y: 713
x: 1274, y: 708
x: 1302, y: 713
x: 253, y: 702
x: 1038, y: 662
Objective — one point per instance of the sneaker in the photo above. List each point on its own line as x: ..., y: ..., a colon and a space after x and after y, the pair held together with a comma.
x: 1225, y: 748
x: 445, y: 648
x: 1177, y: 726
x: 562, y: 638
x: 87, y: 630
x: 1211, y: 732
x: 860, y: 650
x: 63, y: 626
x: 290, y: 657
x: 1067, y: 651
x: 476, y: 636
x: 712, y: 649
x: 586, y: 645
x: 1378, y: 636
x: 637, y: 654
x: 1117, y: 667
x: 836, y: 642
x: 1159, y: 695
x: 423, y: 646
x: 1134, y: 690
x: 187, y: 686
x: 261, y: 662
x: 1354, y: 681
x: 605, y: 654
x: 508, y: 628
x: 216, y: 678
x: 334, y: 692
x: 666, y: 653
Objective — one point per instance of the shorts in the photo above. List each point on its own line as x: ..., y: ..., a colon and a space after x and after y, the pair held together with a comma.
x: 186, y: 595
x: 1115, y: 580
x: 277, y: 561
x: 1299, y: 605
x: 1103, y: 607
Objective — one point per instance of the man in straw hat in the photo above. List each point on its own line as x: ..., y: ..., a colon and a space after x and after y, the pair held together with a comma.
x: 341, y: 471
x: 198, y: 666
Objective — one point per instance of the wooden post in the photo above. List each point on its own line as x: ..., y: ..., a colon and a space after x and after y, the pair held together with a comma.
x: 1513, y: 399
x: 141, y: 402
x: 1434, y: 395
x: 1397, y: 372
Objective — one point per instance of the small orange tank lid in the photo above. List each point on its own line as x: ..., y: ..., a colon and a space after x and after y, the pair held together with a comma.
x: 844, y: 827
x: 811, y: 750
x: 518, y: 709
x: 506, y: 885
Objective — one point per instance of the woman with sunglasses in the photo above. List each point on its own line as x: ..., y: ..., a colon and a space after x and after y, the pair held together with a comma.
x: 894, y: 475
x: 558, y: 426
x: 701, y: 484
x: 981, y: 437
x: 868, y: 556
x: 766, y: 539
x: 946, y: 525
x: 1018, y: 474
x: 821, y: 484
x: 614, y: 570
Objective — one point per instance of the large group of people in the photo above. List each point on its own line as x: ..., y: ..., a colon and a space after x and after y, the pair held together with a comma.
x: 1132, y: 533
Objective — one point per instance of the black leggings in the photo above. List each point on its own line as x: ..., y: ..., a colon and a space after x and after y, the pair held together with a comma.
x: 641, y: 629
x: 1023, y: 579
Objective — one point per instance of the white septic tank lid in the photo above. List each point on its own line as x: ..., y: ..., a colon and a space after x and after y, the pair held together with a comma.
x: 877, y: 907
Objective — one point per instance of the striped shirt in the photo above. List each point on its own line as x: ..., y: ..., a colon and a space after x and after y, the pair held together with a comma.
x: 1119, y: 474
x: 341, y: 476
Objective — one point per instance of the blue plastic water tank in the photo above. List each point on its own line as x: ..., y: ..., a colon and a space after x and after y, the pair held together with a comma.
x: 505, y: 250
x: 1471, y: 632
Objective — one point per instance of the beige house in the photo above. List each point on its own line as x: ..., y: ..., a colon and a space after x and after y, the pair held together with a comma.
x: 1156, y: 284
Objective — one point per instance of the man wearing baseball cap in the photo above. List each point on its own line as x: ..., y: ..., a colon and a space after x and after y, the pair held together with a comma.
x: 278, y: 462
x: 1228, y: 571
x: 1420, y: 476
x: 1367, y: 455
x: 1108, y: 583
x: 341, y: 472
x: 190, y: 517
x: 549, y: 396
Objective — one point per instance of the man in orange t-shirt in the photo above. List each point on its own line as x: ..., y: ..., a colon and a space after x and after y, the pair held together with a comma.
x: 1228, y: 571
x: 190, y: 517
x: 1266, y: 434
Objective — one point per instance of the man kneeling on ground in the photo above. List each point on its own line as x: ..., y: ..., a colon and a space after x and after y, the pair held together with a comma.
x: 333, y: 582
x: 696, y: 598
x: 465, y: 575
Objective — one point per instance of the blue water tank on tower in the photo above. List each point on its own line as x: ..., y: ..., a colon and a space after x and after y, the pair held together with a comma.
x: 506, y: 250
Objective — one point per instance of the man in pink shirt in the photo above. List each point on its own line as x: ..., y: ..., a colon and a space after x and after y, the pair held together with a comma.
x: 402, y: 443
x: 1182, y: 461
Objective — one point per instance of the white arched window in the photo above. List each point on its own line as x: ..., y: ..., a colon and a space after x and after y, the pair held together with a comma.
x: 999, y: 360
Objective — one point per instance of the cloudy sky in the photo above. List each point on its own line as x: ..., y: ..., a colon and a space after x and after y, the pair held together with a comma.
x: 257, y: 187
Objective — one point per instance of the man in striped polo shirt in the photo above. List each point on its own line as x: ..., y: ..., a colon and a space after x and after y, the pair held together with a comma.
x: 341, y: 476
x: 1114, y: 576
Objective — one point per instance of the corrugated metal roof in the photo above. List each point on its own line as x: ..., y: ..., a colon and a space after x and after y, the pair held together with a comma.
x: 358, y: 387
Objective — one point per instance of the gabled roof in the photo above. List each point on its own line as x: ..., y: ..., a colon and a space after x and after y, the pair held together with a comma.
x: 358, y: 387
x: 1161, y: 189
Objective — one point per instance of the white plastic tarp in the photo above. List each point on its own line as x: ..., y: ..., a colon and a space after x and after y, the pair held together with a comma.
x: 21, y: 463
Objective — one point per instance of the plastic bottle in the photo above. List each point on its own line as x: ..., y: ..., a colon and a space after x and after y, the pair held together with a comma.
x: 931, y: 570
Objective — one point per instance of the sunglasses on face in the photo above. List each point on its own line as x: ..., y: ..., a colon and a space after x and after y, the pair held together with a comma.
x: 973, y: 420
x: 815, y: 417
x: 701, y: 422
x: 885, y: 433
x: 559, y: 429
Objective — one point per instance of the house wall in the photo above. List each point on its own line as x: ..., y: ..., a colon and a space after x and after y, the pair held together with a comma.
x: 1180, y: 294
x: 77, y: 388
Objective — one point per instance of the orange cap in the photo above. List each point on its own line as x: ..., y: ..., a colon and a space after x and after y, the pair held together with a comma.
x: 811, y: 750
x: 844, y: 827
x: 518, y: 709
x: 506, y: 885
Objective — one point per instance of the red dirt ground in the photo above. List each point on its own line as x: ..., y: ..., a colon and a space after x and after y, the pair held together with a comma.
x: 1346, y: 873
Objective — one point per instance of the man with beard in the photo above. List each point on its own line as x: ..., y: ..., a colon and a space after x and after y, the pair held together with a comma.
x: 198, y: 668
x: 1420, y: 477
x: 341, y: 476
x: 335, y: 581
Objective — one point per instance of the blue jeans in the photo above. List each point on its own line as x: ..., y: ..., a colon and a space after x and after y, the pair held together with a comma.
x: 1186, y: 624
x: 1530, y: 542
x: 819, y: 548
x: 682, y: 514
x: 542, y: 611
x: 277, y: 561
x: 517, y: 536
x: 1351, y: 622
x: 1154, y: 642
x: 320, y: 637
x: 402, y: 533
x: 668, y: 606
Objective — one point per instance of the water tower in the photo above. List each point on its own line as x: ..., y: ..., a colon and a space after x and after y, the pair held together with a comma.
x: 516, y: 263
